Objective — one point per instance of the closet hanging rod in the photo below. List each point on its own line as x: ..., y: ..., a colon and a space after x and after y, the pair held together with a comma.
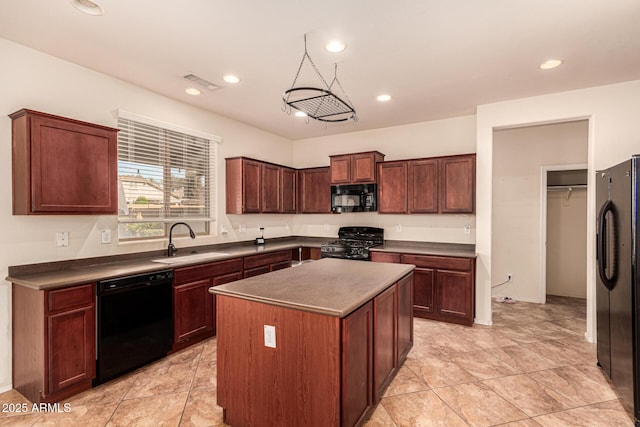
x: 566, y: 187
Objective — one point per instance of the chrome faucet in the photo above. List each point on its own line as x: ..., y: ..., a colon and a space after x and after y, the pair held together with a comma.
x: 171, y: 249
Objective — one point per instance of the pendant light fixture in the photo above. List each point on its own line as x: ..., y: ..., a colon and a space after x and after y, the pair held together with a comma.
x: 319, y: 102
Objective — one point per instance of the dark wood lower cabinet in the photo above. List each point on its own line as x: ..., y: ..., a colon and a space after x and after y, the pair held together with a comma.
x: 255, y: 265
x: 423, y: 296
x: 444, y: 287
x: 385, y: 339
x: 194, y: 316
x: 324, y: 371
x: 357, y: 381
x: 54, y: 341
x: 405, y: 317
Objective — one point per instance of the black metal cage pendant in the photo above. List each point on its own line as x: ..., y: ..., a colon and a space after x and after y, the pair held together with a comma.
x: 319, y: 103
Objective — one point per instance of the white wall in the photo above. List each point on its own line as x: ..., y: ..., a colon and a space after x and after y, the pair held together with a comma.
x: 518, y: 155
x: 30, y: 79
x: 427, y: 139
x: 613, y: 112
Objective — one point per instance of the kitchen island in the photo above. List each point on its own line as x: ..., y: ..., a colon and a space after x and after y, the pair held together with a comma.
x: 314, y: 345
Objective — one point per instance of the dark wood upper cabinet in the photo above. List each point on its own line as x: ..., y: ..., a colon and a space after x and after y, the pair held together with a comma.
x: 253, y: 186
x: 271, y: 188
x: 341, y: 169
x: 423, y: 186
x: 314, y: 190
x: 288, y: 185
x: 430, y: 185
x: 243, y: 185
x: 62, y: 166
x: 357, y: 168
x: 392, y: 187
x: 457, y: 184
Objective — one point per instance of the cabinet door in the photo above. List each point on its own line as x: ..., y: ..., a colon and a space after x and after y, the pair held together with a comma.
x: 457, y: 184
x: 405, y: 317
x: 71, y: 348
x: 341, y: 169
x: 357, y: 365
x: 271, y: 192
x: 392, y: 187
x: 315, y: 190
x: 251, y: 186
x: 385, y: 342
x: 423, y: 291
x: 73, y: 166
x: 221, y: 280
x: 423, y: 186
x: 363, y: 168
x: 193, y: 310
x: 288, y: 186
x: 454, y: 292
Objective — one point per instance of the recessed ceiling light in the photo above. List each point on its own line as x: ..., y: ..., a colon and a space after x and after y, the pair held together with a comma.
x: 230, y: 78
x: 300, y: 114
x: 383, y: 97
x: 89, y: 7
x: 335, y: 46
x: 552, y: 63
x: 192, y: 91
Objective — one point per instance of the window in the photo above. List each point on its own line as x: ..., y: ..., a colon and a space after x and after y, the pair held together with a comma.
x: 165, y: 174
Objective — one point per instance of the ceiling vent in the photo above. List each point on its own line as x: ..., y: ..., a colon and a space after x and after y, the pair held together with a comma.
x: 202, y: 82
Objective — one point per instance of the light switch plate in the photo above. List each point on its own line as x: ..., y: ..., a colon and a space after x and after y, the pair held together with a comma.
x: 269, y: 336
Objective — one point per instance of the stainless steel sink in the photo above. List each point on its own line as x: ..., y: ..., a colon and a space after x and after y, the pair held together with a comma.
x: 188, y: 258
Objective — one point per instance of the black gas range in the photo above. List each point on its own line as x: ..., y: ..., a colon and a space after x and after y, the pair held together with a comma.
x: 353, y: 243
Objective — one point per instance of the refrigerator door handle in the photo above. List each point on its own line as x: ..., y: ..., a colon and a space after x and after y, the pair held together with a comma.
x: 602, y: 248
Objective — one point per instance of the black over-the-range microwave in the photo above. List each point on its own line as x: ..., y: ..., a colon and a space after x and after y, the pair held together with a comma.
x: 354, y: 198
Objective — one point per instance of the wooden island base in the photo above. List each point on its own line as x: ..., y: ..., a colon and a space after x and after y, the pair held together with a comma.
x: 324, y: 370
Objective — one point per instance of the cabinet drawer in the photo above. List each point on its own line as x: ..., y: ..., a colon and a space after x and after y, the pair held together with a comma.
x: 207, y: 271
x: 254, y: 261
x: 441, y: 262
x: 77, y: 296
x: 385, y: 257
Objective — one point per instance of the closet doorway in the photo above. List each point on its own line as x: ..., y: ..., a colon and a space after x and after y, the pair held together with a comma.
x: 565, y: 210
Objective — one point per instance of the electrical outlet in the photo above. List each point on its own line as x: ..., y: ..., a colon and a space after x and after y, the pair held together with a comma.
x: 242, y: 228
x: 62, y: 239
x: 509, y: 277
x: 105, y: 236
x: 467, y: 229
x: 326, y: 226
x: 269, y: 336
x: 223, y: 229
x: 399, y: 228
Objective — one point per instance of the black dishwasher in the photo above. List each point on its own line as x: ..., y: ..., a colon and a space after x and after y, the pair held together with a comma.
x: 134, y: 322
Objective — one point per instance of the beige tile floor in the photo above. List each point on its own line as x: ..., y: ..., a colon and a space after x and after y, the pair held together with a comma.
x: 532, y: 368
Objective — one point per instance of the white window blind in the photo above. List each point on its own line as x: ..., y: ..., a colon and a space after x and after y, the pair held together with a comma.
x: 166, y: 174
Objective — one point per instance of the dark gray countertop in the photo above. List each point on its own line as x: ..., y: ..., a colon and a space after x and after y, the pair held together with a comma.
x: 428, y: 248
x: 74, y: 272
x: 332, y: 287
x: 78, y: 272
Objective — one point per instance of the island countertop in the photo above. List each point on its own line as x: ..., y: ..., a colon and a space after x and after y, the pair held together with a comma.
x: 330, y: 286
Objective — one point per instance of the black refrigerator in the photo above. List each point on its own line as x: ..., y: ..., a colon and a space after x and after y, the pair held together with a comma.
x: 618, y: 284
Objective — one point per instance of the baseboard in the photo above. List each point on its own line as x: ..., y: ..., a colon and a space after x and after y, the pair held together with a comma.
x: 532, y: 300
x: 6, y: 388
